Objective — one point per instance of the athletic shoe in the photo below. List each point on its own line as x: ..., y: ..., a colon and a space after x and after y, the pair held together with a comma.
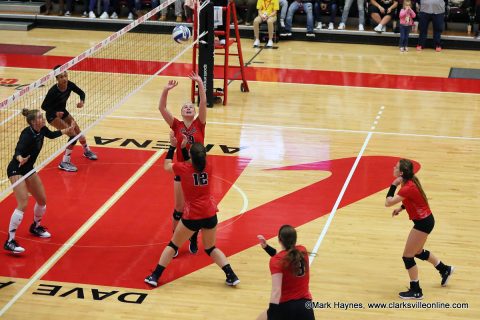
x: 310, y: 34
x: 152, y: 280
x: 270, y: 44
x: 84, y: 14
x: 319, y: 25
x: 330, y: 26
x: 39, y: 231
x: 286, y: 34
x: 406, y: 49
x: 360, y: 27
x: 162, y: 18
x: 419, y: 48
x: 411, y: 295
x: 130, y: 16
x: 341, y: 26
x: 222, y: 42
x: 438, y: 49
x: 67, y: 14
x: 90, y: 155
x: 446, y: 275
x: 13, y: 246
x: 67, y: 166
x: 92, y: 15
x: 179, y: 19
x: 104, y: 15
x: 384, y: 28
x: 232, y: 281
x: 378, y: 28
x: 114, y: 16
x: 193, y: 246
x: 256, y: 43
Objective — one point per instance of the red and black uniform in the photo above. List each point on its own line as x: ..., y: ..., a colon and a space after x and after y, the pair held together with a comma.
x: 194, y: 133
x: 417, y: 208
x: 295, y: 291
x: 200, y: 209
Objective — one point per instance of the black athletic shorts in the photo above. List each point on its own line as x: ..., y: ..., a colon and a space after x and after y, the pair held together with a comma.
x: 176, y: 178
x: 52, y: 116
x: 196, y: 225
x: 295, y: 310
x: 14, y: 170
x: 374, y: 9
x: 425, y: 225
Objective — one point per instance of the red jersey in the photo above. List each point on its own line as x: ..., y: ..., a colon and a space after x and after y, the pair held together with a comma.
x: 195, y: 133
x: 199, y: 204
x: 417, y: 208
x: 294, y: 287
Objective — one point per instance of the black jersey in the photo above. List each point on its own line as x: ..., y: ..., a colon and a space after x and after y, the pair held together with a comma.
x: 30, y: 144
x: 56, y: 100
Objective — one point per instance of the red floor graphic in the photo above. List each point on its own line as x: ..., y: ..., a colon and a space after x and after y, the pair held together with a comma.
x: 24, y: 49
x: 71, y: 199
x: 125, y: 244
x: 317, y: 77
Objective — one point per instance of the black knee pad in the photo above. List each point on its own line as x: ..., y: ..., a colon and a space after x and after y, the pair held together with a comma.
x: 424, y: 255
x: 177, y: 215
x: 210, y: 250
x: 409, y: 262
x: 173, y: 246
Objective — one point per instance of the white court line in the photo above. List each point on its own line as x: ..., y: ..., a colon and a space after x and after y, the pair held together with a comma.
x: 342, y: 192
x: 84, y: 228
x: 236, y: 124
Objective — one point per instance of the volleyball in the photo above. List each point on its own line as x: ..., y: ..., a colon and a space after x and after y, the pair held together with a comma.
x: 181, y: 33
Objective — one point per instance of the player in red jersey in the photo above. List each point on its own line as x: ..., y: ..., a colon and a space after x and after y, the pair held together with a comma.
x: 414, y: 200
x: 290, y: 277
x: 200, y: 211
x: 194, y: 129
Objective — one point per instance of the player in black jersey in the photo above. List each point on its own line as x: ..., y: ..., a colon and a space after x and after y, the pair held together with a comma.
x: 28, y: 148
x: 55, y: 106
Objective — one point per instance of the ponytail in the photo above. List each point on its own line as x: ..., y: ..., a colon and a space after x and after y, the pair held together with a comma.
x: 198, y: 155
x: 406, y: 168
x: 30, y: 115
x: 294, y: 260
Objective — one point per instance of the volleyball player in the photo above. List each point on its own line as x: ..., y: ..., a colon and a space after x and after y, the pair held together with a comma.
x: 194, y: 129
x: 414, y: 200
x: 290, y: 278
x: 28, y: 148
x: 55, y: 107
x: 200, y: 211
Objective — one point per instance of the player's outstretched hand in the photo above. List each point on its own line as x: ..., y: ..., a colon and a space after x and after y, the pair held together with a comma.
x: 80, y: 104
x: 262, y: 241
x: 195, y: 77
x: 171, y: 84
x: 396, y: 212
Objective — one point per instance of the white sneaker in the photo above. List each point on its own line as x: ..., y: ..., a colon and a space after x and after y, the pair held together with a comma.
x: 378, y: 28
x: 330, y: 26
x: 104, y: 15
x: 269, y: 44
x: 67, y: 14
x: 130, y: 16
x: 114, y: 16
x: 360, y: 27
x: 256, y: 43
x: 84, y: 14
x: 91, y: 15
x: 319, y: 25
x: 384, y: 28
x: 13, y: 246
x: 341, y: 26
x: 222, y: 42
x: 282, y: 23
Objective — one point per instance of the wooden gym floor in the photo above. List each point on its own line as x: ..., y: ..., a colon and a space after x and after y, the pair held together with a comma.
x: 319, y: 104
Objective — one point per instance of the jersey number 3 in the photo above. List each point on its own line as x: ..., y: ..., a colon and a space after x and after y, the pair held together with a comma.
x: 200, y: 179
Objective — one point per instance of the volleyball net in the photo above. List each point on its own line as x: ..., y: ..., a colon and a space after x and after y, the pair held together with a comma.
x: 109, y: 73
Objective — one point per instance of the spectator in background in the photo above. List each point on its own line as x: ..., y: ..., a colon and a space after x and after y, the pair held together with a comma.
x: 406, y: 21
x: 325, y: 6
x: 477, y: 18
x: 361, y: 14
x: 178, y: 11
x: 296, y: 5
x: 283, y: 12
x: 382, y: 12
x: 49, y: 5
x: 267, y: 12
x: 431, y: 10
x: 250, y: 5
